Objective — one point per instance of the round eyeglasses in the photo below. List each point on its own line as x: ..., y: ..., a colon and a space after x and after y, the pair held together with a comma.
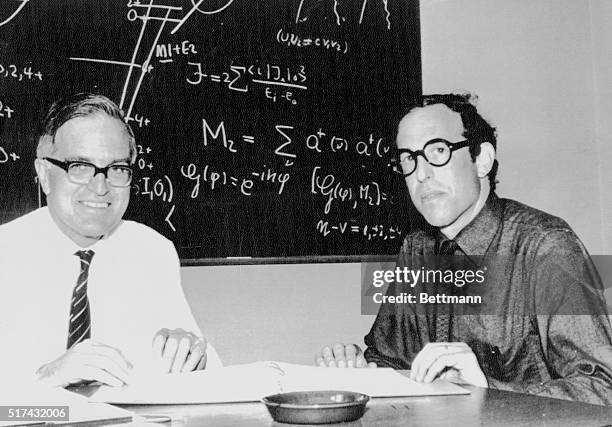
x: 437, y: 152
x: 81, y: 172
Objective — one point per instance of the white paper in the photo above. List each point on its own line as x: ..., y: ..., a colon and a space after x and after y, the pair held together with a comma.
x: 379, y: 382
x: 251, y: 382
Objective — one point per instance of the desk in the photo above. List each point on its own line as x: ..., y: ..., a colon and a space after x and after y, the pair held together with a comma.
x: 483, y: 407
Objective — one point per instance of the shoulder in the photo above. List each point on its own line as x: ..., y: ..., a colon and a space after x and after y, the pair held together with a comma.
x: 25, y: 224
x: 531, y: 218
x: 538, y: 229
x: 143, y: 233
x: 28, y: 236
x: 144, y: 238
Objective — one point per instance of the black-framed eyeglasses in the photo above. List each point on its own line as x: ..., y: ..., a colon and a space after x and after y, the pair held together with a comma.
x: 437, y: 152
x: 81, y: 172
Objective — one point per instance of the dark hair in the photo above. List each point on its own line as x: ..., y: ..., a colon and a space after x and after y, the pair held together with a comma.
x: 79, y: 105
x: 476, y: 128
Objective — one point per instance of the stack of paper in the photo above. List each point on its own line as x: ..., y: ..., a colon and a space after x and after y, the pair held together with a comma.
x: 251, y: 382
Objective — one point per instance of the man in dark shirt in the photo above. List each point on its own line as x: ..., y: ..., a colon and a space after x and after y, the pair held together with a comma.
x: 542, y: 326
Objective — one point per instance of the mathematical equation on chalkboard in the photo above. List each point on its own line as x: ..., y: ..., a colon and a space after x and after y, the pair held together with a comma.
x: 201, y: 179
x: 292, y: 39
x: 238, y: 78
x: 245, y: 184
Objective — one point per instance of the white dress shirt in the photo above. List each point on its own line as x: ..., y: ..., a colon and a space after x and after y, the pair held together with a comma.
x: 134, y: 290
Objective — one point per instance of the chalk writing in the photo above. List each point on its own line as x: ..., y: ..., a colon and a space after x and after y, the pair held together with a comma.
x: 161, y: 188
x: 142, y: 161
x: 19, y: 73
x: 335, y: 190
x: 216, y: 179
x: 229, y: 144
x: 6, y: 111
x: 168, y: 50
x: 371, y: 146
x: 280, y: 150
x: 303, y: 13
x: 292, y: 39
x: 153, y: 188
x: 238, y: 78
x: 275, y: 95
x: 352, y: 227
x: 5, y: 157
x: 139, y: 120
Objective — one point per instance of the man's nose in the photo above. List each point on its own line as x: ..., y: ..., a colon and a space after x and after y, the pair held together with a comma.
x: 98, y: 184
x: 424, y: 169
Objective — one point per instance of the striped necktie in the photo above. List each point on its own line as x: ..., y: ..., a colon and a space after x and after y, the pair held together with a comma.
x: 444, y: 312
x: 79, y: 328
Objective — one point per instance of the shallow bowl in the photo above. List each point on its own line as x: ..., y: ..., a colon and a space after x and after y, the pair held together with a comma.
x: 316, y: 407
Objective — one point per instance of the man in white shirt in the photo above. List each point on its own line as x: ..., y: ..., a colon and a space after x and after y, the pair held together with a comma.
x: 87, y: 296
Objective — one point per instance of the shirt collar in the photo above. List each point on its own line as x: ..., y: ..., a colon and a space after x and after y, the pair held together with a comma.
x: 475, y: 238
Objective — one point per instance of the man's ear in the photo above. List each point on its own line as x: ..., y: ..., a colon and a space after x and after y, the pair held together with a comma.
x: 484, y: 161
x: 43, y: 174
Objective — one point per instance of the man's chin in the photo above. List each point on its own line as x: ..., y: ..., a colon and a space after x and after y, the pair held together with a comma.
x: 438, y: 223
x: 437, y: 218
x: 98, y: 232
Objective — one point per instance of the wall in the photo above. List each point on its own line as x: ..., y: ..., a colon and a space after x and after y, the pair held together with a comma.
x: 542, y: 70
x: 531, y: 63
x: 601, y: 34
x: 276, y: 312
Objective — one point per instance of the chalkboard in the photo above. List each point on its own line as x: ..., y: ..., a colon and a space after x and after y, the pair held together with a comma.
x: 264, y: 128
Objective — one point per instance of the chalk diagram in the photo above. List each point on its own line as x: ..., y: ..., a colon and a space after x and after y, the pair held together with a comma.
x: 149, y: 12
x: 172, y: 18
x: 169, y: 18
x: 20, y: 5
x: 305, y: 10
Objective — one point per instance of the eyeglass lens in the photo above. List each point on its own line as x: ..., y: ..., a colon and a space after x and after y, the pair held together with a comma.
x: 82, y: 173
x: 436, y: 153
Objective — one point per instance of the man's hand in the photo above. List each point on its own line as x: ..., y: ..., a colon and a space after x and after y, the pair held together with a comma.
x: 451, y: 361
x: 87, y: 361
x: 179, y: 350
x: 342, y: 356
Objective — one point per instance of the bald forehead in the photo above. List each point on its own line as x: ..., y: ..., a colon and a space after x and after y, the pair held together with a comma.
x: 425, y: 123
